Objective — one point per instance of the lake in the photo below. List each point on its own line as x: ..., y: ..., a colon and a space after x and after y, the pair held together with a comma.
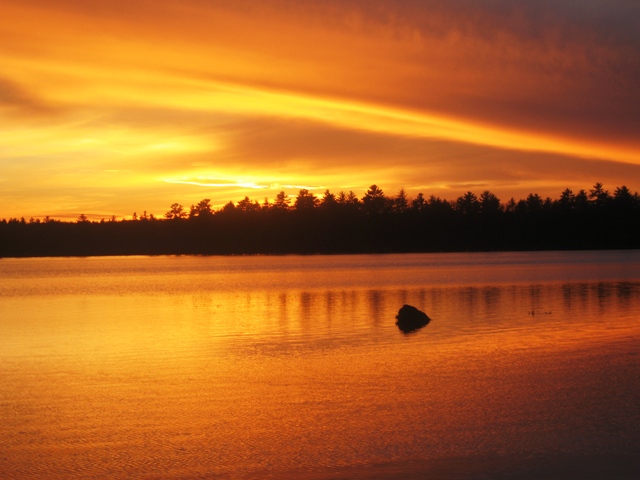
x: 293, y: 367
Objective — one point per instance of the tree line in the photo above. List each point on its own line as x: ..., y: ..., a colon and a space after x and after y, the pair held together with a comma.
x: 344, y: 223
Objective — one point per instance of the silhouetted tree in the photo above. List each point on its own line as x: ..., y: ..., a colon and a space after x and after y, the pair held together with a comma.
x: 468, y: 204
x: 349, y: 198
x: 419, y: 203
x: 567, y: 200
x: 201, y: 210
x: 489, y: 203
x: 599, y: 196
x: 247, y: 205
x: 439, y: 205
x: 374, y: 201
x: 305, y: 200
x: 521, y: 207
x: 581, y: 201
x: 175, y: 212
x: 282, y: 201
x: 532, y: 223
x: 328, y: 200
x: 228, y: 207
x: 401, y: 202
x: 623, y: 198
x: 534, y: 203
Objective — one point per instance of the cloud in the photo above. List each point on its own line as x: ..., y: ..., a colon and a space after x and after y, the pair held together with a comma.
x: 215, y: 183
x: 552, y: 71
x: 234, y: 95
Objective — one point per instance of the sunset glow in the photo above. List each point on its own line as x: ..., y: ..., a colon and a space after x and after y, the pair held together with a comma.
x: 107, y: 108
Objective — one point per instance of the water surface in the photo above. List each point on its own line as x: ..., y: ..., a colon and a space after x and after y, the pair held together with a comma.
x: 279, y: 367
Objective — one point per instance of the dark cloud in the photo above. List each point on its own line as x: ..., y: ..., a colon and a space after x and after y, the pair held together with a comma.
x: 565, y: 68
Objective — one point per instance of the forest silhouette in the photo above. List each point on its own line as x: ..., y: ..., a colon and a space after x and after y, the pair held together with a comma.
x: 343, y: 223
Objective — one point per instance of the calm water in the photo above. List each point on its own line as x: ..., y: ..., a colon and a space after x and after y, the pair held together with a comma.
x: 292, y: 367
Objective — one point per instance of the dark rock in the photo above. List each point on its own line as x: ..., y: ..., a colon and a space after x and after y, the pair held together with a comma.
x: 409, y: 319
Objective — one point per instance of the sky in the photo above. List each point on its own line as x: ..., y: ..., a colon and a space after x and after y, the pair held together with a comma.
x: 114, y: 107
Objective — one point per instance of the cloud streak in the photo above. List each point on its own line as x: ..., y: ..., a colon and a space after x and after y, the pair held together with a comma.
x: 206, y: 182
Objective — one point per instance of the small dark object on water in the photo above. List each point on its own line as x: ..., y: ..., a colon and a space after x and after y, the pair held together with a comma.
x: 409, y: 319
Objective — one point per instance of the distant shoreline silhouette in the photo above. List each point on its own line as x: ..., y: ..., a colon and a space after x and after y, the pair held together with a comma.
x: 343, y: 223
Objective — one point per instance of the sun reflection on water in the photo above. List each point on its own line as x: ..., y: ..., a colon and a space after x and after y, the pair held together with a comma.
x: 169, y: 371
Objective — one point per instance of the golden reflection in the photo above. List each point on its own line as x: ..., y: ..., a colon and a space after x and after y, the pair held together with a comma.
x: 240, y: 382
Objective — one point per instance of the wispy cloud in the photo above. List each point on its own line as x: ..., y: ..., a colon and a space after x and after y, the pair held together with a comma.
x: 218, y: 183
x: 207, y: 182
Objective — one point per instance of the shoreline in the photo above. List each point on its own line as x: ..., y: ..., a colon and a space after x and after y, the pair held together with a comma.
x: 306, y: 254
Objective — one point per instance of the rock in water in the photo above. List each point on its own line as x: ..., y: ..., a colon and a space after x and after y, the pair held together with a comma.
x: 409, y: 318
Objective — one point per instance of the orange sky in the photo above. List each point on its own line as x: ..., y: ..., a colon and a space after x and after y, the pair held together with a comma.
x: 111, y: 107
